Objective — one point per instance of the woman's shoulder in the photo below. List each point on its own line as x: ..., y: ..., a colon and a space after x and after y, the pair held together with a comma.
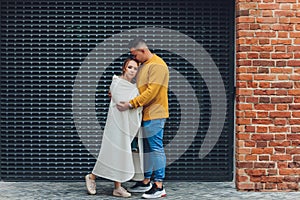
x: 115, y: 77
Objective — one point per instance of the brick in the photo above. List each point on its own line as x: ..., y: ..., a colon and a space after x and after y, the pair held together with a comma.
x: 281, y: 92
x: 266, y: 48
x: 284, y: 13
x: 295, y: 129
x: 294, y: 77
x: 282, y: 186
x: 244, y: 77
x: 282, y: 164
x: 243, y: 136
x: 281, y: 48
x: 282, y: 85
x: 264, y: 164
x: 264, y: 41
x: 268, y: 6
x: 294, y: 107
x: 254, y: 26
x: 267, y: 13
x: 272, y: 179
x: 296, y: 41
x: 265, y: 34
x: 293, y: 48
x: 264, y: 92
x: 293, y: 136
x: 291, y: 171
x: 281, y: 41
x: 262, y: 150
x: 264, y: 107
x: 294, y: 92
x: 246, y: 92
x: 296, y: 158
x: 284, y: 20
x: 266, y: 20
x: 281, y: 55
x: 294, y: 34
x: 295, y: 20
x: 252, y: 99
x: 242, y: 178
x: 280, y: 63
x: 281, y: 122
x: 251, y: 157
x: 245, y: 186
x: 243, y: 150
x: 282, y: 157
x: 294, y: 121
x: 291, y: 179
x: 245, y: 164
x: 242, y: 27
x: 272, y: 172
x: 267, y: 63
x: 255, y: 172
x: 264, y: 158
x: 279, y: 150
x: 293, y: 186
x: 263, y: 137
x: 295, y: 150
x: 263, y: 84
x: 282, y: 100
x: 293, y: 63
x: 247, y: 106
x: 296, y: 114
x: 243, y: 121
x: 283, y: 34
x: 279, y: 143
x: 261, y: 129
x: 280, y: 136
x: 242, y: 33
x: 284, y: 70
x: 280, y: 114
x: 264, y: 99
x: 270, y: 186
x: 286, y: 1
x: 250, y: 128
x: 264, y: 77
x: 245, y: 19
x: 249, y: 114
x: 263, y: 70
x: 252, y: 84
x: 281, y: 107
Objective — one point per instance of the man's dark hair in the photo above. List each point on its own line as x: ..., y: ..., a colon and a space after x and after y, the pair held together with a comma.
x: 137, y: 43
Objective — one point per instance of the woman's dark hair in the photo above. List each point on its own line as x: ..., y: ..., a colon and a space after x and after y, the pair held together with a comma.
x: 126, y: 63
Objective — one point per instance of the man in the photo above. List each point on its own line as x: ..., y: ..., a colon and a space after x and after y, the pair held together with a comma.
x: 152, y: 83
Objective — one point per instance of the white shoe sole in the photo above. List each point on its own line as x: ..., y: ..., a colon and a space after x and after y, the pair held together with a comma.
x: 155, y: 196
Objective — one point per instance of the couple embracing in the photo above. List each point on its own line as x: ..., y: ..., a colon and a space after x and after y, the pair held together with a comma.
x: 132, y: 143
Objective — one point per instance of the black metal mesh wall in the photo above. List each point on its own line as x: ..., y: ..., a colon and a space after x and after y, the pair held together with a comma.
x: 43, y: 44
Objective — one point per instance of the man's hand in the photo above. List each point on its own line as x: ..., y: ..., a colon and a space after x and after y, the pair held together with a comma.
x: 122, y: 106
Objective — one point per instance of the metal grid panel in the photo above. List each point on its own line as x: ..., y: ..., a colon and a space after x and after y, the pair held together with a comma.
x: 43, y: 44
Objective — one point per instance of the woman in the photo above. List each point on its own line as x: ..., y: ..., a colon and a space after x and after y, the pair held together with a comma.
x: 116, y: 161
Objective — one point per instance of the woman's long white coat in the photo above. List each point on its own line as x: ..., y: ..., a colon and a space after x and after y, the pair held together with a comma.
x: 116, y: 161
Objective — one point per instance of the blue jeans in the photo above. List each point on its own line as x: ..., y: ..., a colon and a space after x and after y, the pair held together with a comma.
x: 154, y: 154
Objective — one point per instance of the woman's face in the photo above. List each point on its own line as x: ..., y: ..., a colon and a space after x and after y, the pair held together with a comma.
x: 131, y: 70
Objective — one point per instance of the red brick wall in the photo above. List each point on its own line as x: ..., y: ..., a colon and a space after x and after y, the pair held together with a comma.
x: 267, y: 95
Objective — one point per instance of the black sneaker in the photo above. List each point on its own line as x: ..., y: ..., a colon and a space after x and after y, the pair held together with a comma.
x: 155, y: 192
x: 140, y: 187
